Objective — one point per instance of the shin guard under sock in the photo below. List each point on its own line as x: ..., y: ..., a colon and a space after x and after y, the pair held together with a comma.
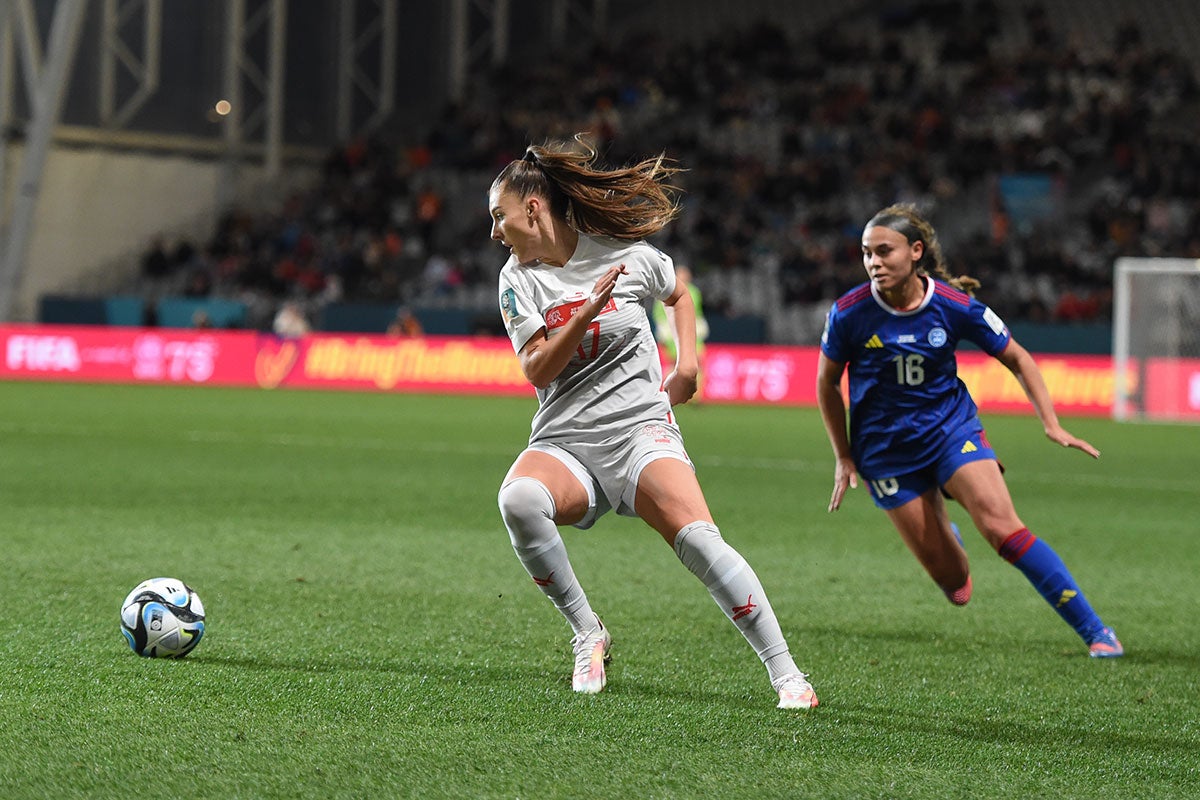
x: 736, y: 589
x: 528, y: 511
x: 1049, y: 575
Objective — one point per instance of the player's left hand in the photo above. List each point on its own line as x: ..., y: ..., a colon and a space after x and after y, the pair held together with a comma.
x: 680, y: 387
x: 1059, y: 435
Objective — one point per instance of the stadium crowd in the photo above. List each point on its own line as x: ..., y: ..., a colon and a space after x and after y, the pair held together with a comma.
x: 1041, y: 160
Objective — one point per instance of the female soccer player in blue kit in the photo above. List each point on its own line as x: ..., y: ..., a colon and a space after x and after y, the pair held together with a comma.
x: 914, y: 429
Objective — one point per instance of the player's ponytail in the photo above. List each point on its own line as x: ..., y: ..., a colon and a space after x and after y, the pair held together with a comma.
x: 629, y: 203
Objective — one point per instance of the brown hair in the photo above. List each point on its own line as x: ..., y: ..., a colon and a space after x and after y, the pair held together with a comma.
x: 630, y: 202
x: 903, y: 218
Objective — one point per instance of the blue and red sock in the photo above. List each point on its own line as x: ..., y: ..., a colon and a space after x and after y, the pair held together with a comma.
x: 1049, y: 575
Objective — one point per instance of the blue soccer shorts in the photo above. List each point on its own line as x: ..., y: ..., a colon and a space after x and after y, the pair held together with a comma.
x: 894, y: 492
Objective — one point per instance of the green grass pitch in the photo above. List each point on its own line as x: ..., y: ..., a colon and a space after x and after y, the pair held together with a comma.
x: 372, y: 635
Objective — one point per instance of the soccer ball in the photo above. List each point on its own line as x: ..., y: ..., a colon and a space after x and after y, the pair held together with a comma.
x: 162, y: 618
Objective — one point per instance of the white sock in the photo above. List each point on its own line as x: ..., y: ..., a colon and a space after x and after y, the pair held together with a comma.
x: 737, y: 590
x: 528, y: 511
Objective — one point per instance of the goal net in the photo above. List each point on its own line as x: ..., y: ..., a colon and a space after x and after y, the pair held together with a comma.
x: 1156, y: 339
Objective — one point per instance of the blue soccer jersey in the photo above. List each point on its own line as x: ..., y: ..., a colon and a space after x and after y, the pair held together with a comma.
x: 905, y: 393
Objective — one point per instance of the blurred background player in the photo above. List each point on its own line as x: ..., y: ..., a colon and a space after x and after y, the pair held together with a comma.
x: 290, y: 321
x: 914, y: 428
x: 664, y: 324
x: 573, y: 295
x: 405, y: 324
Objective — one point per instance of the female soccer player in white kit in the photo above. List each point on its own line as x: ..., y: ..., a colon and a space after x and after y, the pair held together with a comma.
x: 574, y: 295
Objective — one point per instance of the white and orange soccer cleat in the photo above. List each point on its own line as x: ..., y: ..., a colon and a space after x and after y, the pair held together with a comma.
x: 591, y: 654
x: 796, y: 692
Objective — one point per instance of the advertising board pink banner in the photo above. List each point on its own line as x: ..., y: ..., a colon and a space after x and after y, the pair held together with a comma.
x: 1079, y: 385
x: 750, y: 374
x: 1172, y: 388
x: 236, y: 358
x: 754, y: 374
x: 125, y: 355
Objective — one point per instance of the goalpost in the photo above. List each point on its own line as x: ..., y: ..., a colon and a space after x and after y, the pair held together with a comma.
x: 1156, y: 339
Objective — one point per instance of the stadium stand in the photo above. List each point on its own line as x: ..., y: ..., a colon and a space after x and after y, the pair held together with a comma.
x: 1045, y: 139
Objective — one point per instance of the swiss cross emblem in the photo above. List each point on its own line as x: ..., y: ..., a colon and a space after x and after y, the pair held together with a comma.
x: 561, y: 315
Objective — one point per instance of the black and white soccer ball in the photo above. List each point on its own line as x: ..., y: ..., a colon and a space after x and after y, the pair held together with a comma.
x: 162, y: 618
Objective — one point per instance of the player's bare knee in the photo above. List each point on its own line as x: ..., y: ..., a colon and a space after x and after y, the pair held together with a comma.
x: 995, y: 531
x: 995, y: 524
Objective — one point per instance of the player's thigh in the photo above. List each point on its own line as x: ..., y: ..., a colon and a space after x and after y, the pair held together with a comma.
x: 980, y: 488
x: 571, y: 500
x: 923, y: 524
x: 668, y: 497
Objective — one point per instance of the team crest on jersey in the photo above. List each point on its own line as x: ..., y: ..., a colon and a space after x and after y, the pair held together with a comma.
x: 508, y: 305
x: 561, y: 314
x: 937, y: 337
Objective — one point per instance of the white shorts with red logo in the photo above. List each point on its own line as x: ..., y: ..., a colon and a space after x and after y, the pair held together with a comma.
x: 609, y: 471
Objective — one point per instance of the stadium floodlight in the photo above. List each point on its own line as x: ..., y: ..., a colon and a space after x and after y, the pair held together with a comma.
x: 1156, y: 339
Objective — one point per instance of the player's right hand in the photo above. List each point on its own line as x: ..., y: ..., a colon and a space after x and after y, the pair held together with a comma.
x: 844, y: 476
x: 603, y: 289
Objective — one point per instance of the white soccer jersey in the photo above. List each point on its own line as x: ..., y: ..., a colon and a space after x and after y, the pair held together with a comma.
x: 614, y: 381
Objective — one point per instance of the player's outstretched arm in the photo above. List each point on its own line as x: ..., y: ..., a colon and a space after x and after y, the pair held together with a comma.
x: 1021, y: 364
x: 543, y: 358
